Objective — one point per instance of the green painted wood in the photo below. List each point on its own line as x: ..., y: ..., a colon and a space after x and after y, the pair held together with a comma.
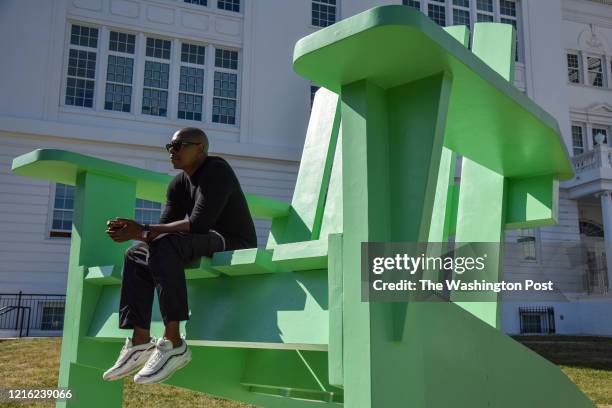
x: 90, y: 247
x: 486, y: 42
x: 444, y: 213
x: 302, y: 222
x: 244, y: 262
x: 299, y: 374
x: 104, y: 275
x: 460, y: 33
x: 300, y: 256
x: 201, y: 268
x: 302, y: 337
x: 532, y: 202
x: 481, y: 214
x: 481, y: 211
x: 62, y: 166
x: 488, y: 123
x: 505, y: 126
x: 336, y: 330
x: 332, y: 216
x: 392, y: 133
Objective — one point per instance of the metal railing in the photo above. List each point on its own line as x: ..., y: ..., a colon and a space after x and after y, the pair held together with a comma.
x: 31, y: 311
x: 537, y: 320
x: 599, y: 157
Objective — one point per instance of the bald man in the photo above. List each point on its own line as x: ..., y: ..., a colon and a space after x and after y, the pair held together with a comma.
x: 206, y: 212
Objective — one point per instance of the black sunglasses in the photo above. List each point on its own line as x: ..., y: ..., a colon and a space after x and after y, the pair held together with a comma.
x: 178, y: 145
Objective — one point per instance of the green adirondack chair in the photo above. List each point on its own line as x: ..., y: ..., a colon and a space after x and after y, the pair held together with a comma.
x: 284, y: 326
x: 248, y: 307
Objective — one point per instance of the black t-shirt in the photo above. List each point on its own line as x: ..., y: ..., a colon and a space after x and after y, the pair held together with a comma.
x: 213, y: 199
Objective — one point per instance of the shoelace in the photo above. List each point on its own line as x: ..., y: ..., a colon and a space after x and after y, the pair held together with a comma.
x: 125, y: 349
x: 157, y: 355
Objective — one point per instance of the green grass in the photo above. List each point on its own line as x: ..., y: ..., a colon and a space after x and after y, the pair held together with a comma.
x: 587, y: 361
x: 21, y: 366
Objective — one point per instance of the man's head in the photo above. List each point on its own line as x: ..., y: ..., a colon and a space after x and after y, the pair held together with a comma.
x: 187, y: 147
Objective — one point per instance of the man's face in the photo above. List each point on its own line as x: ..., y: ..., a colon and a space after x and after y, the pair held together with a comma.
x: 185, y: 155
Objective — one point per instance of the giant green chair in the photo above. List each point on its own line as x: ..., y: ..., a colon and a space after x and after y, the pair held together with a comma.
x: 284, y: 325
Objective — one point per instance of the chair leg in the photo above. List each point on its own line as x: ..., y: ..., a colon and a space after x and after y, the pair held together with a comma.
x: 88, y: 389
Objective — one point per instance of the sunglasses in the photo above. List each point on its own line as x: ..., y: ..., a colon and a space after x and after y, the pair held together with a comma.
x: 178, y: 145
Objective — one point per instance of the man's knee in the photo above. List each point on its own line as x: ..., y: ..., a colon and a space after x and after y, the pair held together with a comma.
x: 138, y: 253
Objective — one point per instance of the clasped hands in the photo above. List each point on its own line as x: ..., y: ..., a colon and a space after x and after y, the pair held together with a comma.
x: 123, y: 229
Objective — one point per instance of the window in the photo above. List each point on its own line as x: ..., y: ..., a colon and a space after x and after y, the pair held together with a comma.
x: 527, y: 241
x: 231, y: 5
x: 313, y: 90
x: 191, y: 86
x: 484, y: 18
x: 81, y: 73
x: 484, y: 11
x: 156, y: 77
x: 323, y: 12
x: 144, y: 77
x: 484, y: 5
x: 63, y: 208
x: 198, y: 2
x: 225, y: 86
x: 537, y: 320
x: 52, y: 318
x: 467, y: 12
x: 412, y: 3
x: 599, y: 133
x: 573, y: 68
x: 595, y: 71
x: 437, y: 13
x: 461, y: 12
x: 507, y: 10
x: 577, y: 139
x: 119, y: 72
x: 147, y: 212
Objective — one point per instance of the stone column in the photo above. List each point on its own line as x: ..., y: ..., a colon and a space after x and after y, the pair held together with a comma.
x: 606, y: 215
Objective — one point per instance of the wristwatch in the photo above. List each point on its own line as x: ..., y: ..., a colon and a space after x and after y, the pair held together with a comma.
x: 145, y: 231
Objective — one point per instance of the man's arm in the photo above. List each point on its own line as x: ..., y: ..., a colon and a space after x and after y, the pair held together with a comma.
x: 215, y: 193
x: 173, y: 217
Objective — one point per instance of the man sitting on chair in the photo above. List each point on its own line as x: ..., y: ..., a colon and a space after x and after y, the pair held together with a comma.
x: 207, y: 191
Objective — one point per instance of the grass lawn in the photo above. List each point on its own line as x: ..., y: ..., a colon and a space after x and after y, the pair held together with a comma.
x: 21, y: 366
x: 587, y: 361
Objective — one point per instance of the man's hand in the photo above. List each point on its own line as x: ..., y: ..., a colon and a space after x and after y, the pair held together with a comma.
x: 123, y: 229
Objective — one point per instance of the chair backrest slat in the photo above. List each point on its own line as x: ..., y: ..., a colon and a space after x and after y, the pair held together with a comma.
x: 303, y: 222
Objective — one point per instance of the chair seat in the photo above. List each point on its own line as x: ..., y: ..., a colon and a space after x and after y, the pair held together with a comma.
x: 301, y: 256
x: 251, y: 261
x: 201, y: 268
x: 295, y: 256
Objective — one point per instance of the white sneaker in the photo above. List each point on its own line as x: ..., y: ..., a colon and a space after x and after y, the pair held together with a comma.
x: 130, y: 359
x: 164, y: 361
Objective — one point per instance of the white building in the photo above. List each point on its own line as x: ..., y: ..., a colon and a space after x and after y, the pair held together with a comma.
x: 115, y: 78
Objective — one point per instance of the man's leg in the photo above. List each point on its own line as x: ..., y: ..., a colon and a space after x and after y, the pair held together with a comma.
x: 167, y: 259
x: 136, y: 294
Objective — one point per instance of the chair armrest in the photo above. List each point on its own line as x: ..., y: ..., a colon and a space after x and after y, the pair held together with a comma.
x: 62, y: 166
x: 267, y: 208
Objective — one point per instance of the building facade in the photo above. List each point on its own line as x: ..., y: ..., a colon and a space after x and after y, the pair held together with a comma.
x: 115, y: 78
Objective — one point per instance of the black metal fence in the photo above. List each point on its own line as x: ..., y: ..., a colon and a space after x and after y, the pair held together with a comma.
x: 537, y: 319
x: 31, y: 311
